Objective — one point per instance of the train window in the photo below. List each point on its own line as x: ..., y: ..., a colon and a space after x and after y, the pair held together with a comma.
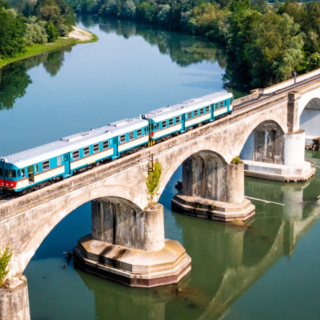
x: 0, y: 172
x: 23, y: 173
x: 131, y: 135
x: 158, y: 126
x: 189, y: 115
x: 170, y: 122
x: 164, y: 124
x: 59, y: 160
x: 195, y: 113
x: 86, y: 151
x: 122, y: 138
x: 37, y: 168
x: 154, y: 126
x: 19, y: 173
x: 45, y: 165
x: 96, y: 148
x: 12, y: 173
x: 207, y: 109
x: 75, y: 155
x: 201, y: 111
x: 177, y: 119
x: 6, y: 173
x: 105, y: 144
x: 139, y: 133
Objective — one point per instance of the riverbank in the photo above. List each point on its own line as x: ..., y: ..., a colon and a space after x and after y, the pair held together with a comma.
x: 76, y: 36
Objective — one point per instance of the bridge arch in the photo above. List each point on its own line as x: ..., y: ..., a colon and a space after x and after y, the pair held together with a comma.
x: 40, y: 221
x: 210, y: 147
x: 263, y: 141
x: 309, y: 119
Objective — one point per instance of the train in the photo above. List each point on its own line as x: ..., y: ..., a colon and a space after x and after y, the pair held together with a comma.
x: 38, y: 167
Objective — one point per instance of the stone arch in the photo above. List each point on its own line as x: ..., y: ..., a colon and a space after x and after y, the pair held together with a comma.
x: 309, y: 119
x: 265, y: 143
x: 209, y: 145
x: 306, y: 98
x: 40, y: 221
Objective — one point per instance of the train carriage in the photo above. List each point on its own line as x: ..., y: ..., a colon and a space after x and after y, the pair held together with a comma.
x: 35, y: 167
x: 165, y: 122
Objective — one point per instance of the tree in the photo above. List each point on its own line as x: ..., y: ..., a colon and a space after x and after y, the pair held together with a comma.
x: 5, y: 257
x: 12, y: 31
x: 129, y: 10
x: 52, y: 32
x: 164, y: 16
x: 147, y: 12
x: 152, y: 182
x: 36, y: 32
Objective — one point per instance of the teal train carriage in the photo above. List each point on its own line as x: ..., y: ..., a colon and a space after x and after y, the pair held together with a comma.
x: 35, y: 168
x: 172, y: 120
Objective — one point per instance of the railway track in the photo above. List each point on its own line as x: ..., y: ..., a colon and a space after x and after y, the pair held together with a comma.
x: 262, y: 98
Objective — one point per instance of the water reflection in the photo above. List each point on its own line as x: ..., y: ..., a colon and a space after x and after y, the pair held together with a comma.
x: 227, y: 259
x: 182, y: 49
x: 14, y: 78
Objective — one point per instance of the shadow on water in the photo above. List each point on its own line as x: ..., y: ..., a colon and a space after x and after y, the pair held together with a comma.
x: 14, y: 78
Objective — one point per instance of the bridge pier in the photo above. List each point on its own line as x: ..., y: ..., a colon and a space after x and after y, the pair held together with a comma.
x: 281, y: 159
x: 212, y: 189
x: 127, y: 245
x: 14, y: 300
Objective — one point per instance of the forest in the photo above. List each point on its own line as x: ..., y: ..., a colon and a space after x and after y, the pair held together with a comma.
x: 265, y: 43
x: 24, y: 23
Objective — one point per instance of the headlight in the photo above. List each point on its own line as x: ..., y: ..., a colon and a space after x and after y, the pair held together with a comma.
x: 11, y: 184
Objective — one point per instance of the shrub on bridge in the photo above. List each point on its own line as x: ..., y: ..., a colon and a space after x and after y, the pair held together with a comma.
x: 152, y: 182
x: 5, y: 256
x: 236, y: 160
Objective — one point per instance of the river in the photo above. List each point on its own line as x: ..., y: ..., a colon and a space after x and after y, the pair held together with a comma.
x: 268, y: 269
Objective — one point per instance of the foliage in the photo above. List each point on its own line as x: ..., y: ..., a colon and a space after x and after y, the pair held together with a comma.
x: 152, y: 182
x: 35, y: 32
x: 5, y: 256
x: 236, y: 160
x: 52, y: 32
x: 129, y: 10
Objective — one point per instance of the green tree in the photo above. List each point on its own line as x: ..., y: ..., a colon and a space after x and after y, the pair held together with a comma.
x: 36, y: 32
x: 147, y: 12
x: 52, y: 32
x: 12, y: 31
x: 164, y: 15
x: 152, y: 182
x: 129, y: 10
x: 5, y: 256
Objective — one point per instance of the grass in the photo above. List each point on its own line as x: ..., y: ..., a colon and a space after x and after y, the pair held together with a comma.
x: 37, y: 49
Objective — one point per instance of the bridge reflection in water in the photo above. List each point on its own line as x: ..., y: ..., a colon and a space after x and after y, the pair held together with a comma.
x: 227, y: 259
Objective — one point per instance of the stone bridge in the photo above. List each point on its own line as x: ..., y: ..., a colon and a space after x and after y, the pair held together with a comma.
x: 264, y: 129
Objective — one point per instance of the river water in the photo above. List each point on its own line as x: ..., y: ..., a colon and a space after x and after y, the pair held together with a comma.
x: 268, y: 269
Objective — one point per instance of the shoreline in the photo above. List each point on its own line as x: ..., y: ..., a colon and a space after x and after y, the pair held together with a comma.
x: 37, y: 49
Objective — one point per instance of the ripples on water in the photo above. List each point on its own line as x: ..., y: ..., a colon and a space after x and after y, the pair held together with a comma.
x: 268, y: 269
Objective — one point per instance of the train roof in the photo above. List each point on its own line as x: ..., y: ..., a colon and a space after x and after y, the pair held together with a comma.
x: 187, y: 106
x: 74, y: 142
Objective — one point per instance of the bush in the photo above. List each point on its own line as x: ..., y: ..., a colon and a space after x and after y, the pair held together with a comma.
x: 152, y: 182
x: 5, y: 257
x: 236, y: 160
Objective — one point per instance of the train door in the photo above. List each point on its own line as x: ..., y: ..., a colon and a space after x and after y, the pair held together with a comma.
x: 183, y: 122
x: 31, y: 174
x: 67, y: 163
x: 115, y: 147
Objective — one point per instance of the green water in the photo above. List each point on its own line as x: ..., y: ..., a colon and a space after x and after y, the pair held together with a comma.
x: 268, y: 269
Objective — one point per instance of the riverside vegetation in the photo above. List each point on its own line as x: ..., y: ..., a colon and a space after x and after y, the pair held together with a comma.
x: 265, y: 43
x: 34, y: 27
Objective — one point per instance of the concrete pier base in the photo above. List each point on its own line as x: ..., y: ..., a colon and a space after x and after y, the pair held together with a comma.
x: 278, y: 172
x: 213, y: 210
x: 127, y: 245
x: 14, y: 300
x: 132, y: 267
